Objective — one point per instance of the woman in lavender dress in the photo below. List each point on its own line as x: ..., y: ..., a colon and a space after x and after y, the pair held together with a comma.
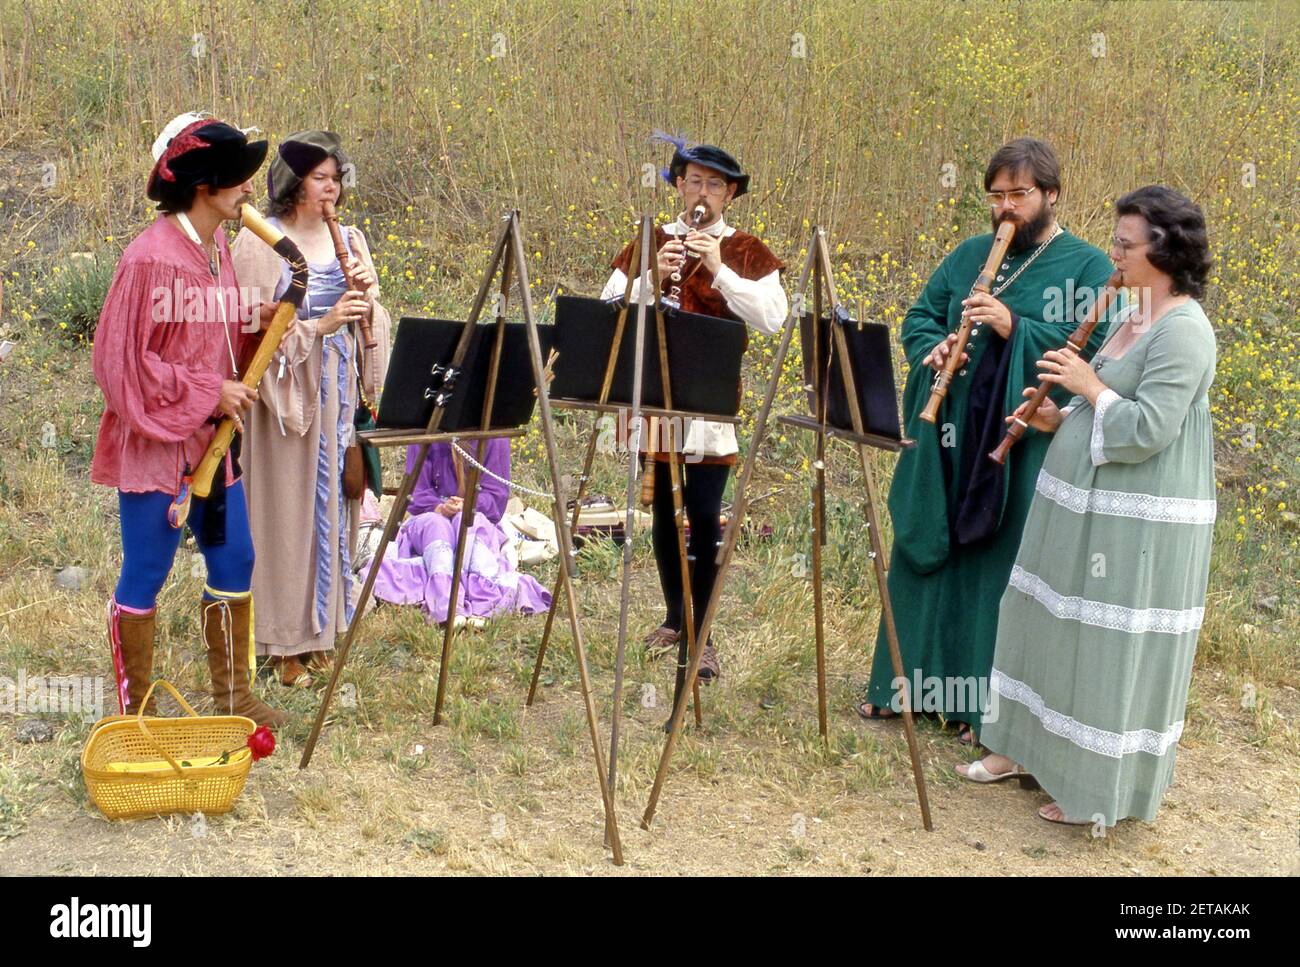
x: 418, y: 569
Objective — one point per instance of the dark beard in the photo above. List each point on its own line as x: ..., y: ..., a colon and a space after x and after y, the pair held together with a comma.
x: 689, y: 214
x: 1026, y: 236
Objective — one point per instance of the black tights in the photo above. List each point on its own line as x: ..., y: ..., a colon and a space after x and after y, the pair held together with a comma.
x: 702, y: 497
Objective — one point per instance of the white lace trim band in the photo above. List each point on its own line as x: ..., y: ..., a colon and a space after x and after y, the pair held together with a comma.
x: 1098, y: 448
x: 1102, y: 615
x: 1113, y: 744
x: 1120, y: 503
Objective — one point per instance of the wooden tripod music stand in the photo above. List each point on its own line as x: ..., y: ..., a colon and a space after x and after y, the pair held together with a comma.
x: 508, y: 257
x: 861, y: 440
x: 642, y: 254
x: 817, y: 265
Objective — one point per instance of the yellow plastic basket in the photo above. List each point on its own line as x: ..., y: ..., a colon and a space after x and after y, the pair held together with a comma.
x: 137, y: 766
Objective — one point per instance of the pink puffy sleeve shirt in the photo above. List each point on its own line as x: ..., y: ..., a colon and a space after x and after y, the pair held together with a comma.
x: 160, y: 356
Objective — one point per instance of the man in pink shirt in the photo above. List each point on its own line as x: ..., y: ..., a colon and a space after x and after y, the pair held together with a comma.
x: 165, y: 356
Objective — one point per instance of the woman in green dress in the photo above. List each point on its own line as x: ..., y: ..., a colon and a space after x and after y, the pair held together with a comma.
x: 1098, y: 626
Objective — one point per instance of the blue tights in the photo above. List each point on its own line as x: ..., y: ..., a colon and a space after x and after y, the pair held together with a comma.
x: 149, y: 546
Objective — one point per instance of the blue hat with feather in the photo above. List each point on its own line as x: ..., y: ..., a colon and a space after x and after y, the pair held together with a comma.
x: 708, y: 155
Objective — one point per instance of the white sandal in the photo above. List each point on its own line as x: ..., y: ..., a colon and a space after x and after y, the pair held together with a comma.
x: 978, y: 772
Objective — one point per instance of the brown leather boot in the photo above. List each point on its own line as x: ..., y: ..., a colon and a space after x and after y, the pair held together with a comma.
x: 131, y: 636
x: 226, y: 633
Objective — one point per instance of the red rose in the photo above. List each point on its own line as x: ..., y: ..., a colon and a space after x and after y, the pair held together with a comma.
x: 261, y: 742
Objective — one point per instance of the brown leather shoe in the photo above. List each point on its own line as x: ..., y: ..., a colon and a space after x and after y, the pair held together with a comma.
x: 662, y: 641
x: 131, y: 636
x: 710, y: 667
x: 226, y: 632
x: 293, y: 673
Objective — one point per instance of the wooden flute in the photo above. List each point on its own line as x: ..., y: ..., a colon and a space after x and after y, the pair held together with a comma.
x: 697, y: 216
x: 1075, y: 346
x: 331, y: 216
x: 271, y: 339
x: 675, y: 298
x: 1001, y: 241
x: 648, y: 475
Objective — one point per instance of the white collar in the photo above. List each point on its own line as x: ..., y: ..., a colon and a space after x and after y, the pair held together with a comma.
x: 720, y: 228
x: 188, y: 228
x: 215, y: 265
x: 213, y: 260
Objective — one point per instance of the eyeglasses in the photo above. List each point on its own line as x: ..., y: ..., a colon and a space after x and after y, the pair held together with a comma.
x: 1124, y: 246
x: 1155, y: 232
x: 1015, y: 196
x: 713, y: 186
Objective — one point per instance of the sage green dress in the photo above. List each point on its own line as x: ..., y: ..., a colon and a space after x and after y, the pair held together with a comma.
x: 1098, y: 626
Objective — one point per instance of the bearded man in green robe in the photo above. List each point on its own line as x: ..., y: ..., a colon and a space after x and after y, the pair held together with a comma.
x: 957, y: 515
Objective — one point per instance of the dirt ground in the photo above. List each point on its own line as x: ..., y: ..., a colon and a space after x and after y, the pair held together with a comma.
x: 733, y: 805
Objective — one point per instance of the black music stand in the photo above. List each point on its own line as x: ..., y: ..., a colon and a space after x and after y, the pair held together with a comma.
x: 451, y: 388
x: 818, y: 266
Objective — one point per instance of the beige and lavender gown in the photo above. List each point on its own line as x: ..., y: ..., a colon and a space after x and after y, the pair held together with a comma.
x: 304, y: 531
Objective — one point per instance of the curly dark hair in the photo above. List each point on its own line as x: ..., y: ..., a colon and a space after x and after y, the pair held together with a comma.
x: 1180, y: 246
